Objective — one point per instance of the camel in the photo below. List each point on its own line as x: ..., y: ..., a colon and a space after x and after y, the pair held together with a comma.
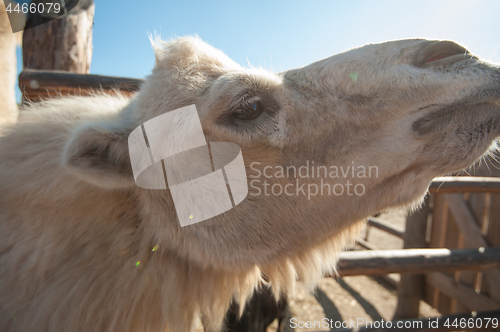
x: 8, y: 43
x: 83, y: 248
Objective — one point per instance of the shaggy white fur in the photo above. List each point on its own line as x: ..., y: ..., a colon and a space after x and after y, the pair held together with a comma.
x: 77, y: 235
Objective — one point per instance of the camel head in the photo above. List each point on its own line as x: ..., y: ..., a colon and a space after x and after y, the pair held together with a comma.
x: 383, y: 120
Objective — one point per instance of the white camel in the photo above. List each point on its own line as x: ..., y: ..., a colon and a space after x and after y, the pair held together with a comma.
x: 82, y: 248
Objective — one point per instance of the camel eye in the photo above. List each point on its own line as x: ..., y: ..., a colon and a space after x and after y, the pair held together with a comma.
x: 249, y: 112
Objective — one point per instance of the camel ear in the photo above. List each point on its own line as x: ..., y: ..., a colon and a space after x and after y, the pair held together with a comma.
x: 98, y: 153
x: 191, y: 55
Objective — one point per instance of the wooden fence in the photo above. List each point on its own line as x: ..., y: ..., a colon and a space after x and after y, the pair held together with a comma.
x: 464, y: 221
x: 464, y: 214
x: 42, y: 84
x: 461, y: 212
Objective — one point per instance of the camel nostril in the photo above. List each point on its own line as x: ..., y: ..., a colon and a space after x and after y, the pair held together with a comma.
x: 440, y: 50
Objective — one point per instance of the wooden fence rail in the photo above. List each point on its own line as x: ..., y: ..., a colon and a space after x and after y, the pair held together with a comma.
x: 43, y: 84
x: 378, y: 262
x: 386, y: 227
x: 463, y: 184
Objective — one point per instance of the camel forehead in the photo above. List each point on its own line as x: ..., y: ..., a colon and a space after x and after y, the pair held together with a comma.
x: 374, y: 57
x: 395, y: 45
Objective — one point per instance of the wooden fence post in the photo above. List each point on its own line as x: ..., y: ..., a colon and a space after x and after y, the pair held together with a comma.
x: 8, y: 68
x: 411, y: 286
x: 60, y: 44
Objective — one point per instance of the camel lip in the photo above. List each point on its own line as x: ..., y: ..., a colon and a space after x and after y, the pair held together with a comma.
x: 489, y: 96
x: 435, y: 113
x: 486, y: 96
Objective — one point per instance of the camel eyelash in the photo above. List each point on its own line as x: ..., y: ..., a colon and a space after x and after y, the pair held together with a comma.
x: 244, y: 100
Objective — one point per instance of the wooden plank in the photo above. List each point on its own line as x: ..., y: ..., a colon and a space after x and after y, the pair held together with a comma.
x: 439, y: 221
x: 439, y: 225
x: 43, y: 84
x: 479, y: 203
x: 466, y: 221
x: 60, y: 44
x: 411, y: 286
x: 365, y: 244
x: 386, y: 227
x: 462, y: 184
x: 462, y: 292
x: 447, y: 305
x: 493, y: 238
x: 473, y: 236
x: 378, y: 262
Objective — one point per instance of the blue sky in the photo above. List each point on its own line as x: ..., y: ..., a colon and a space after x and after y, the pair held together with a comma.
x: 280, y: 35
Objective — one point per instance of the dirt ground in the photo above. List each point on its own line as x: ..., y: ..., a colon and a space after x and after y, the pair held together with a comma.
x: 353, y: 298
